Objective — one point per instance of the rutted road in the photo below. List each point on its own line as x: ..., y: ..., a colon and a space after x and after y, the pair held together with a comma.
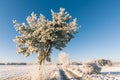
x: 70, y: 75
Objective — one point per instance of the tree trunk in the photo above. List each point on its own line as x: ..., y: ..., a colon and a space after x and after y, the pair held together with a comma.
x: 41, y: 58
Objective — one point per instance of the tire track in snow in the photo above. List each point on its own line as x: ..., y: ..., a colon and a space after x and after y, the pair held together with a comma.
x: 71, y: 76
x: 62, y: 73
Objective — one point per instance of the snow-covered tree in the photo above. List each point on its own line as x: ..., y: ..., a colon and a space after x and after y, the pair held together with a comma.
x: 40, y: 35
x: 64, y: 59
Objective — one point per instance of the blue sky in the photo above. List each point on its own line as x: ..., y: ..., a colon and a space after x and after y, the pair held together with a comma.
x: 99, y: 36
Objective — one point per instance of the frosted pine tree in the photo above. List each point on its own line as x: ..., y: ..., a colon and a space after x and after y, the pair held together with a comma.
x: 40, y: 35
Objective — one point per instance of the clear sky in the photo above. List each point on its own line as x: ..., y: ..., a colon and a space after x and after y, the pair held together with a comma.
x: 99, y: 36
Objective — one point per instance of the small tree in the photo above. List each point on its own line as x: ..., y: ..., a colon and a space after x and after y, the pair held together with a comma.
x: 64, y: 59
x: 40, y: 35
x: 103, y: 62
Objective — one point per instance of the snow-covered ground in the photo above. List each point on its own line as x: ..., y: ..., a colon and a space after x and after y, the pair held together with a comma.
x: 23, y: 72
x: 111, y: 69
x: 11, y: 71
x: 107, y: 73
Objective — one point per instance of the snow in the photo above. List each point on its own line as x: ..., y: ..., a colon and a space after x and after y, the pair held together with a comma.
x: 111, y: 69
x: 9, y: 72
x: 48, y: 72
x: 14, y: 71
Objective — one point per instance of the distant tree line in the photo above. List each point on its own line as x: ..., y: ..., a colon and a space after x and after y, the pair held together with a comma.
x: 75, y: 63
x: 22, y: 63
x: 2, y: 63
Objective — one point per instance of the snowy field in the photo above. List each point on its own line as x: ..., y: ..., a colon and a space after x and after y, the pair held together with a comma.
x: 14, y: 72
x: 24, y: 72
